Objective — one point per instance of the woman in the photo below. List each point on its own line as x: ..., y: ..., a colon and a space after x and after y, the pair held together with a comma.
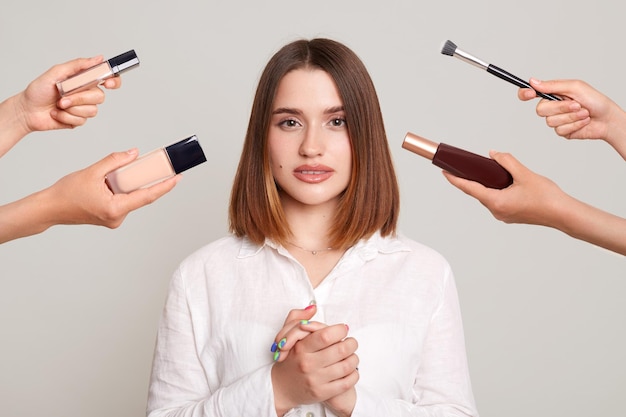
x: 313, y: 216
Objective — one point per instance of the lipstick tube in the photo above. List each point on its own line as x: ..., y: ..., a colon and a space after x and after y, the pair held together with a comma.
x: 156, y: 166
x: 98, y: 73
x: 460, y: 162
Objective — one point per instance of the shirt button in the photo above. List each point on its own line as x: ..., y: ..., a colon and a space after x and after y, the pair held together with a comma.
x: 310, y: 414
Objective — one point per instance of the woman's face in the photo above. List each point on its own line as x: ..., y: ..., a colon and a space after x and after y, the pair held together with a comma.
x: 309, y: 148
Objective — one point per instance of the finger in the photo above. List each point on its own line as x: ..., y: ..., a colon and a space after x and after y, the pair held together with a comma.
x: 567, y: 118
x: 563, y: 88
x: 116, y: 160
x: 343, y: 353
x: 508, y: 162
x: 343, y: 367
x: 68, y: 69
x: 145, y: 196
x: 89, y: 97
x: 79, y: 112
x: 298, y: 314
x: 67, y: 120
x: 293, y: 318
x: 471, y: 188
x: 280, y: 349
x: 547, y: 108
x: 526, y: 94
x: 568, y: 129
x: 324, y: 338
x: 113, y: 83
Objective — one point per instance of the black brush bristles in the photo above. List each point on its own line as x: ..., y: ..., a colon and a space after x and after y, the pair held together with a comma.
x: 449, y: 48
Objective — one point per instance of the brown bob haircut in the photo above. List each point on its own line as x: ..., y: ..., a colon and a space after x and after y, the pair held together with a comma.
x: 371, y: 201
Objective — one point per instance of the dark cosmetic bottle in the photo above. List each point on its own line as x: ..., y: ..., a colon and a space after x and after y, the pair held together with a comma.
x: 460, y: 162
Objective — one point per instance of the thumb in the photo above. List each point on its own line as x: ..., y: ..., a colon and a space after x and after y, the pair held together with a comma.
x: 559, y: 87
x: 507, y: 161
x: 73, y: 67
x: 116, y: 160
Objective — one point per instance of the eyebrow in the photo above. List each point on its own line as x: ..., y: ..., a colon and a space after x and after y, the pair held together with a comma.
x: 290, y: 110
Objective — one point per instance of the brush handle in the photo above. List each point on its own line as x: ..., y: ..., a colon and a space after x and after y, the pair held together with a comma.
x: 507, y: 76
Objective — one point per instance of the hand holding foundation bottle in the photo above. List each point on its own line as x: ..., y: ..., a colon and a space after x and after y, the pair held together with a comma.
x: 65, y: 96
x: 585, y: 114
x: 535, y: 199
x: 81, y: 197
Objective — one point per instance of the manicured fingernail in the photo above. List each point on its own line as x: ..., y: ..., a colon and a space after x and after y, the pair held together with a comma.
x: 65, y: 103
x: 310, y: 306
x: 274, y: 347
x: 304, y: 322
x: 276, y: 355
x: 282, y: 343
x: 347, y: 327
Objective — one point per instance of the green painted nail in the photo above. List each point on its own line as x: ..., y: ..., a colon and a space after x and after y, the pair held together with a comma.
x: 282, y: 343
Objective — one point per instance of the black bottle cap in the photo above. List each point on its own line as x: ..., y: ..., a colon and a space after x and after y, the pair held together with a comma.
x: 185, y: 154
x: 124, y: 62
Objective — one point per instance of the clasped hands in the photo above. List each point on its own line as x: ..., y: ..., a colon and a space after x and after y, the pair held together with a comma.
x: 314, y: 363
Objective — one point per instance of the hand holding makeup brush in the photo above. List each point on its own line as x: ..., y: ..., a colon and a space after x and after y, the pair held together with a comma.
x: 588, y: 114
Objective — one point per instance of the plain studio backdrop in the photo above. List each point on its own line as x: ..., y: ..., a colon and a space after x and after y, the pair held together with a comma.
x: 544, y: 315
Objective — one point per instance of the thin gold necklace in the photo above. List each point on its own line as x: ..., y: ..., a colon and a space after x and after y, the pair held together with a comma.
x: 313, y: 251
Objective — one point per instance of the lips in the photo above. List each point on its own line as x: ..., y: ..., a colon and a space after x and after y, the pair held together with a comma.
x: 313, y: 174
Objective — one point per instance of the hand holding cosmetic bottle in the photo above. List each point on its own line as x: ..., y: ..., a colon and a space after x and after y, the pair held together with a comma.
x: 81, y: 197
x: 586, y: 114
x: 39, y: 107
x: 534, y: 199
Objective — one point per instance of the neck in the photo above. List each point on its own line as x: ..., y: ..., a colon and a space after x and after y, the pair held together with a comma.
x: 310, y: 225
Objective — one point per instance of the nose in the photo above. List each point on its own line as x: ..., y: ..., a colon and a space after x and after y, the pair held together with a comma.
x: 312, y: 142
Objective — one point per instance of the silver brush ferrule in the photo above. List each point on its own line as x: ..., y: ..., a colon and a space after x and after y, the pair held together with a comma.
x: 464, y: 56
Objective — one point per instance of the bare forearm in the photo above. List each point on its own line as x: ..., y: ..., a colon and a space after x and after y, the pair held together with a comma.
x: 585, y: 222
x: 617, y: 133
x: 29, y: 216
x: 12, y: 128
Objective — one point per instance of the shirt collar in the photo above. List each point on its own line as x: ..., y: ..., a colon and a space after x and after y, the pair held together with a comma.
x: 366, y: 249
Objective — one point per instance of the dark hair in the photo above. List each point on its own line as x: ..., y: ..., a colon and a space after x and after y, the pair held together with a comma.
x: 371, y: 202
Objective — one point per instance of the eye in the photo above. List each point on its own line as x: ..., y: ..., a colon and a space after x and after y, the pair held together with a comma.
x: 338, y: 122
x: 289, y: 123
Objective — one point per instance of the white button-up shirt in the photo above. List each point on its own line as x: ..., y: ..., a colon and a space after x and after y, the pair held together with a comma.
x: 228, y: 300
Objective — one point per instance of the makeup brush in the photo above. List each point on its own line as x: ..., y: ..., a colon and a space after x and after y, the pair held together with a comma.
x: 449, y: 48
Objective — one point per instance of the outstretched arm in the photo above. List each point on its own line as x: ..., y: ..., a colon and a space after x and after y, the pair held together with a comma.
x: 534, y: 199
x: 81, y: 197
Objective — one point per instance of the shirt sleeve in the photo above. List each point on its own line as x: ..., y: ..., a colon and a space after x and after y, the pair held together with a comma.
x: 442, y: 386
x: 178, y: 384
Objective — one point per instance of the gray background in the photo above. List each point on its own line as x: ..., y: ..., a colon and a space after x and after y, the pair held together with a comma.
x: 544, y: 314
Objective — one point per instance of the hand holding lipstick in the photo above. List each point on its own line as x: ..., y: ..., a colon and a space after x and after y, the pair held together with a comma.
x: 588, y: 114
